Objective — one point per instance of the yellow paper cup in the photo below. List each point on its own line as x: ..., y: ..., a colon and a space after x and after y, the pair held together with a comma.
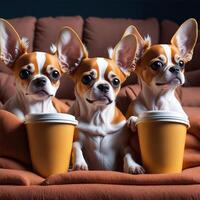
x: 50, y: 139
x: 162, y: 136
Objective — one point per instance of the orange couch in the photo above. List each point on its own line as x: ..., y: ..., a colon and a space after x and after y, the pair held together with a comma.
x: 17, y: 179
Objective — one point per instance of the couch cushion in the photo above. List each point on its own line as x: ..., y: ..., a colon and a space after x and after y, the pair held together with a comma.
x: 126, y: 95
x: 189, y: 96
x: 13, y: 138
x: 168, y: 28
x: 48, y: 28
x: 19, y: 177
x: 7, y: 86
x: 66, y: 89
x: 192, y: 77
x: 192, y: 146
x: 189, y: 176
x: 99, y: 34
x: 7, y: 163
x: 25, y: 26
x: 101, y: 191
x: 8, y: 177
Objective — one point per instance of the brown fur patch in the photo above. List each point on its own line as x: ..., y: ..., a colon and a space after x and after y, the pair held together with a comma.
x: 143, y: 68
x: 118, y: 117
x: 85, y: 66
x: 53, y: 61
x: 25, y: 59
x: 112, y: 66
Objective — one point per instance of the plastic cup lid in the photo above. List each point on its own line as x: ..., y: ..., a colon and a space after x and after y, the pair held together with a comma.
x: 51, y: 118
x: 166, y: 116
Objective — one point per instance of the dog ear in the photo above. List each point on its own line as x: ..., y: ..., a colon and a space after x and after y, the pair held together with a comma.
x: 70, y: 50
x: 11, y: 47
x: 142, y: 44
x: 185, y: 38
x: 124, y: 53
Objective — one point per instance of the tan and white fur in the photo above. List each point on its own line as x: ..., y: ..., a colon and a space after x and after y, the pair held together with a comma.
x: 37, y: 74
x: 160, y: 69
x: 102, y: 138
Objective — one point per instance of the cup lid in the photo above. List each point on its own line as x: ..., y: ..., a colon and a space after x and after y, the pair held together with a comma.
x: 51, y: 118
x: 166, y: 116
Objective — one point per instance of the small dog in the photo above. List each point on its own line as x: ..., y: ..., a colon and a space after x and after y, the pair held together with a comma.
x: 37, y: 74
x: 102, y: 137
x: 160, y: 69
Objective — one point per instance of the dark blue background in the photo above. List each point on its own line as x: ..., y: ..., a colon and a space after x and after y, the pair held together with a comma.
x: 177, y: 10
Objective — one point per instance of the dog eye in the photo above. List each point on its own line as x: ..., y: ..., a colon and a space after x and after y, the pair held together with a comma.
x: 181, y: 63
x: 24, y: 74
x: 55, y: 75
x: 156, y: 65
x: 87, y: 79
x: 115, y: 82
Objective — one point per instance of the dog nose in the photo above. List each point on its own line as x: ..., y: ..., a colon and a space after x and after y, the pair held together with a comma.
x: 40, y: 82
x: 174, y: 70
x: 103, y: 87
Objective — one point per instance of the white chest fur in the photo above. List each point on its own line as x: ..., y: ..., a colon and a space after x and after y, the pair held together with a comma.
x: 20, y: 105
x: 150, y: 99
x: 104, y: 152
x: 101, y: 141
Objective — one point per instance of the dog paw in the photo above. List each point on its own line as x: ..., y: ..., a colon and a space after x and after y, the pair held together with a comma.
x: 135, y: 169
x: 131, y: 123
x: 131, y: 167
x: 80, y: 166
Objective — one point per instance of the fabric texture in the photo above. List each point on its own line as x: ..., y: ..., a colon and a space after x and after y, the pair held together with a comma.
x: 7, y: 86
x: 101, y: 33
x: 13, y: 138
x: 7, y: 163
x: 48, y: 29
x: 101, y: 191
x: 19, y: 177
x: 189, y: 176
x: 25, y: 27
x: 66, y: 89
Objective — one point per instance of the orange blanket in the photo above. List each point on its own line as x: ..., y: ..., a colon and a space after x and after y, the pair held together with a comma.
x: 14, y: 145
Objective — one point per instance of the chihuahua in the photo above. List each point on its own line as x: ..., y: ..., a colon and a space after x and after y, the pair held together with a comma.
x: 37, y: 74
x: 102, y: 137
x: 160, y: 70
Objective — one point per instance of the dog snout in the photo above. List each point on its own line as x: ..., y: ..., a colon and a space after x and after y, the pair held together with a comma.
x: 40, y: 82
x: 174, y: 70
x: 103, y: 87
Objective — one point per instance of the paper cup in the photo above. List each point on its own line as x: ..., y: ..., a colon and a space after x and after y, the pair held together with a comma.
x: 162, y: 138
x: 50, y: 139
